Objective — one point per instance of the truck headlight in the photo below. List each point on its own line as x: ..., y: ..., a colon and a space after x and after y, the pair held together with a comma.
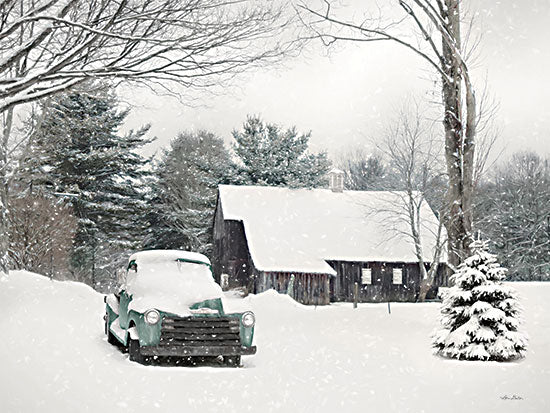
x: 152, y: 316
x: 248, y: 319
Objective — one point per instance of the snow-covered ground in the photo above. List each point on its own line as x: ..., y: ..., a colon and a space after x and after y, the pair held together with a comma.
x: 54, y: 358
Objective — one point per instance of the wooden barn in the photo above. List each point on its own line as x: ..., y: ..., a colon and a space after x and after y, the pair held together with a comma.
x: 322, y: 241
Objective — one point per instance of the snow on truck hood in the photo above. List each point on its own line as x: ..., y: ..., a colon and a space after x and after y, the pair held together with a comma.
x: 154, y: 256
x: 169, y: 285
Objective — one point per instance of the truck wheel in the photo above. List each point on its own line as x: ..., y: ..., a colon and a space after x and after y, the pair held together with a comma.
x: 134, y: 350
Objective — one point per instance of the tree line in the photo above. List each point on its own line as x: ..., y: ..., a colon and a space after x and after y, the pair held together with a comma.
x: 84, y: 196
x: 511, y: 204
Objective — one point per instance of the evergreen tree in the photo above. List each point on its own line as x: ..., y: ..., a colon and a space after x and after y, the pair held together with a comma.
x: 364, y: 172
x: 184, y: 195
x: 480, y: 316
x: 270, y: 156
x: 80, y: 155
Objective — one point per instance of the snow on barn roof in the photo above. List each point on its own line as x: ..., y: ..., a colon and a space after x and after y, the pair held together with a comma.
x: 300, y: 229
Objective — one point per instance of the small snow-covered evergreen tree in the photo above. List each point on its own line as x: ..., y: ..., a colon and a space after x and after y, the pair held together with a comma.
x: 480, y: 315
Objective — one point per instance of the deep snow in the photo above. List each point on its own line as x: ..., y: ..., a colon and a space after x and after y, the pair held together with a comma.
x: 54, y: 358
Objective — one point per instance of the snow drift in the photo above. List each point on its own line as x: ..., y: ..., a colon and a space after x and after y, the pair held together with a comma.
x: 55, y: 358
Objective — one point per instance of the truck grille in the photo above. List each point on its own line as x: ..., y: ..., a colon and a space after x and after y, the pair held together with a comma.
x: 199, y: 336
x: 200, y: 331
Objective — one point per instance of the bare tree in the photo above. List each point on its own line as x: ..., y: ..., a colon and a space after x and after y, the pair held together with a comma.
x: 487, y: 134
x: 48, y: 46
x: 41, y: 234
x: 51, y: 45
x: 513, y: 210
x: 432, y: 30
x: 416, y: 171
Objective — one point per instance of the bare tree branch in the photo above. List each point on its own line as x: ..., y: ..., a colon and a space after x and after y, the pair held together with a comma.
x: 49, y: 46
x: 436, y: 27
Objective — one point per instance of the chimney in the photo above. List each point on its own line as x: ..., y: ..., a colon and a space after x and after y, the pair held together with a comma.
x: 336, y: 180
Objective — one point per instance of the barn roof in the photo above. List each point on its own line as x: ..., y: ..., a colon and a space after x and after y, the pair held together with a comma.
x: 299, y: 230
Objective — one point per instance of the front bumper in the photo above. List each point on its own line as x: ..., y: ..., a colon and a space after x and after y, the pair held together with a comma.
x: 195, y: 351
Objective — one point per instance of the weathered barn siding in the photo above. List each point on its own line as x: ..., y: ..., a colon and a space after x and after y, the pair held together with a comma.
x: 231, y: 255
x: 382, y: 287
x: 310, y: 289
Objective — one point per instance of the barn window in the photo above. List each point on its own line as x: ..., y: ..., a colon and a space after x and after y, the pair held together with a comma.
x: 366, y: 276
x: 397, y: 276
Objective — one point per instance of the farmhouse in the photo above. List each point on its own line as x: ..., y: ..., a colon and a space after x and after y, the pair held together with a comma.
x: 324, y: 240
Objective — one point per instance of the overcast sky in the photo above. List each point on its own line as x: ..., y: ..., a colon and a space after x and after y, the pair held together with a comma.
x: 347, y: 98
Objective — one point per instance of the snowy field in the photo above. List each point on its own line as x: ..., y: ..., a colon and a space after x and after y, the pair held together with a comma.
x: 54, y: 358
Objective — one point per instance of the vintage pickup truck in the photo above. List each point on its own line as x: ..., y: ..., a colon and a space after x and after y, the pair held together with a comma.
x: 170, y: 306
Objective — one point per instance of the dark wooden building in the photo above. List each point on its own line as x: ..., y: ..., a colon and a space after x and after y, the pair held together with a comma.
x: 232, y: 257
x: 377, y: 282
x: 322, y: 241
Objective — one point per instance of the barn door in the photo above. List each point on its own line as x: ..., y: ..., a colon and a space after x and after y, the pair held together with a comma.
x: 387, y: 279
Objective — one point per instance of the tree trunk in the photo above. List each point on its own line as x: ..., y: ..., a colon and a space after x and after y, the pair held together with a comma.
x: 4, y: 235
x: 424, y: 288
x: 4, y: 238
x: 468, y: 164
x: 426, y: 277
x: 426, y: 283
x: 414, y: 223
x: 458, y: 151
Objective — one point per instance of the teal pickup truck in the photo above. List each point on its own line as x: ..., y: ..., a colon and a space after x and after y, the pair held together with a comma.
x: 169, y: 305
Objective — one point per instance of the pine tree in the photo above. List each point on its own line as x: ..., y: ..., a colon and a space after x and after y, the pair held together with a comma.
x: 480, y: 316
x: 184, y: 195
x: 81, y: 156
x: 364, y: 171
x: 271, y: 156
